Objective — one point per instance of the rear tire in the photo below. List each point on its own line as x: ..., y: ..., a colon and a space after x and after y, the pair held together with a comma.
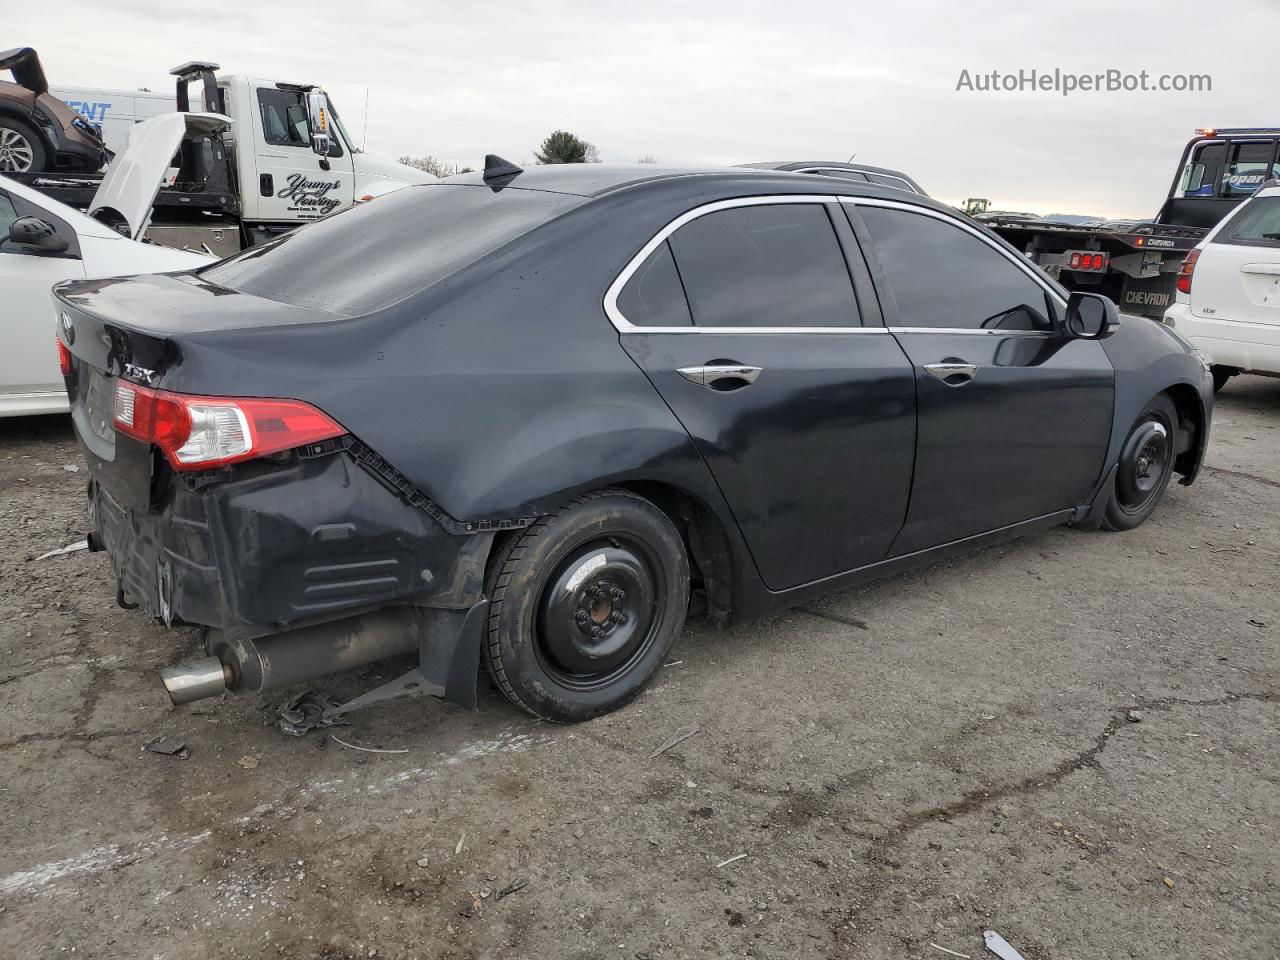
x: 21, y: 149
x: 1146, y: 464
x: 1221, y: 375
x: 585, y: 606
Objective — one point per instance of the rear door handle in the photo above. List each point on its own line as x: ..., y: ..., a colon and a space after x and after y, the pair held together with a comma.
x: 722, y: 374
x: 954, y: 373
x: 1266, y: 269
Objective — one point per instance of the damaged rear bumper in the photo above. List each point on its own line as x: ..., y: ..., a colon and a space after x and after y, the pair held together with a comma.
x: 292, y: 566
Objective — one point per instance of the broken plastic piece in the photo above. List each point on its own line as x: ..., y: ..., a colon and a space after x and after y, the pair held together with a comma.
x: 1000, y: 946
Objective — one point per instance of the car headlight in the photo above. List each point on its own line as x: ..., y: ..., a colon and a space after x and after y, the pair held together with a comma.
x: 1203, y: 358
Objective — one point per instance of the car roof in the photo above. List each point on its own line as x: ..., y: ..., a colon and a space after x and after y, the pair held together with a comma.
x: 597, y: 179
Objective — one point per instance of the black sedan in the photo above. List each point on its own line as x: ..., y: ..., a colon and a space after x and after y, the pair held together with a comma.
x: 535, y: 418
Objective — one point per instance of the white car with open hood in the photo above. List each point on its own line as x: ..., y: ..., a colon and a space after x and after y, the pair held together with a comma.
x: 1228, y: 293
x: 43, y: 241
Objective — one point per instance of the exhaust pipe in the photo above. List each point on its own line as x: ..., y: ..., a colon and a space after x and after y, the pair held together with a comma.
x: 292, y: 657
x: 188, y: 682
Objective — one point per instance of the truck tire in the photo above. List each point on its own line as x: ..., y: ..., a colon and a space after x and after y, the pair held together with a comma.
x: 585, y: 606
x: 21, y: 149
x: 1146, y: 464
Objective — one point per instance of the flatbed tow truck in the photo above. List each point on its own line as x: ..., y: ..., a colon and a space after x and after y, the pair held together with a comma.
x: 283, y: 159
x: 1136, y: 262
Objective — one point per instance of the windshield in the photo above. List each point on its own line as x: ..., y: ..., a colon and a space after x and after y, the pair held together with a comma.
x: 380, y: 252
x: 342, y: 130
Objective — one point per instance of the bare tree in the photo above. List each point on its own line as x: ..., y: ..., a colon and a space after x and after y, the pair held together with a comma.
x: 648, y: 158
x: 428, y: 164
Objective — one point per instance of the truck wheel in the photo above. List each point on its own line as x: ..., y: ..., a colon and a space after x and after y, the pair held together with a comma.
x: 585, y: 606
x: 21, y: 149
x: 1221, y: 375
x: 1146, y: 464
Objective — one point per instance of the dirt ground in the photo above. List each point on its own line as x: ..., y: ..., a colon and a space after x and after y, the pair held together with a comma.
x: 1072, y: 740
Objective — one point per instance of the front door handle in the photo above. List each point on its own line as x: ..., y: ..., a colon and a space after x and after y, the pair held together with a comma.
x: 952, y: 372
x: 722, y: 376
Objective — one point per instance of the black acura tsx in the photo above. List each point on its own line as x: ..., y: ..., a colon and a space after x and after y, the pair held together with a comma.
x: 535, y: 419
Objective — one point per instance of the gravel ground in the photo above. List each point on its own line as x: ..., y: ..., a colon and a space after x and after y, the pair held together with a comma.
x: 1071, y: 740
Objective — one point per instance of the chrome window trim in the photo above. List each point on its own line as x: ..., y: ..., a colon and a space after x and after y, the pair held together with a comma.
x: 973, y: 331
x: 1037, y: 275
x: 623, y: 325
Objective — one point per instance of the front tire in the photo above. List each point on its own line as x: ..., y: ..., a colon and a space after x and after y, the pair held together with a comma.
x: 1146, y: 464
x: 21, y: 149
x: 585, y: 606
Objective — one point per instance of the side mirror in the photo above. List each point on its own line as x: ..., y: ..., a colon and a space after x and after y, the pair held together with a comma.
x: 1091, y: 316
x: 318, y: 119
x: 34, y: 232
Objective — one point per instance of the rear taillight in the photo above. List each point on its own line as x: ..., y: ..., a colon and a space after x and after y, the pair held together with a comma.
x: 196, y: 433
x: 1188, y: 268
x: 1087, y: 260
x: 64, y: 356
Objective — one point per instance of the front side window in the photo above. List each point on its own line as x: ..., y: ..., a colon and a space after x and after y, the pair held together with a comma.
x: 944, y: 276
x: 285, y: 123
x: 1256, y: 224
x: 766, y: 265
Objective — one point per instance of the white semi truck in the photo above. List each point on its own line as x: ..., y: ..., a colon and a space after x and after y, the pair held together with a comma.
x: 284, y: 159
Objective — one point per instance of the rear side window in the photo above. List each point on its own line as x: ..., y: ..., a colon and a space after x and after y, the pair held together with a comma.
x: 943, y: 276
x: 1255, y: 224
x: 383, y: 251
x: 1252, y: 164
x: 654, y: 296
x: 768, y: 265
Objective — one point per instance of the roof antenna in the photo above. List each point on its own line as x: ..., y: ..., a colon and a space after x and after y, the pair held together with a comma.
x: 499, y: 172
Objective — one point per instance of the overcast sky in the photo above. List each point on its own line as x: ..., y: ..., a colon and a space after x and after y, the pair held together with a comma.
x: 724, y: 81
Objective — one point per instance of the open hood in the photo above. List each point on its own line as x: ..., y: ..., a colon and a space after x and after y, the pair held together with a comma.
x: 136, y: 174
x: 27, y: 72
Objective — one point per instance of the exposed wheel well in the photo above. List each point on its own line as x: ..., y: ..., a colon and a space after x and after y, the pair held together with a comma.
x: 1190, y: 426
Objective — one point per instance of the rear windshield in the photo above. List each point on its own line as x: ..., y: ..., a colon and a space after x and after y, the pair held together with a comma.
x: 383, y: 251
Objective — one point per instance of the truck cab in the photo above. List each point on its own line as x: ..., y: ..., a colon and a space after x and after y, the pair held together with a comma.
x: 1220, y: 169
x: 282, y: 179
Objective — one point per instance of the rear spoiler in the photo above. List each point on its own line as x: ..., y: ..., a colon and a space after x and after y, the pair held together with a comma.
x: 25, y: 64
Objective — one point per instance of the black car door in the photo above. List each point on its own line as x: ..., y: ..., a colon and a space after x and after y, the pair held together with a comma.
x: 1014, y: 416
x: 805, y: 416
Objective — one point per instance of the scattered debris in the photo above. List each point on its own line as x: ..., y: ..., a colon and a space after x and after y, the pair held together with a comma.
x: 999, y: 946
x: 353, y: 746
x: 461, y: 840
x: 954, y: 953
x: 70, y: 468
x: 1134, y: 716
x: 167, y: 748
x: 725, y: 863
x: 1167, y: 882
x: 424, y: 862
x: 1257, y: 623
x: 1197, y: 856
x: 307, y: 711
x: 673, y: 663
x: 70, y: 548
x: 681, y: 735
x: 512, y: 888
x: 248, y: 761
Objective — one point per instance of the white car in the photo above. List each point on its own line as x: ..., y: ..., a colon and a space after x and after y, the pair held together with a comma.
x: 43, y: 241
x: 1228, y: 293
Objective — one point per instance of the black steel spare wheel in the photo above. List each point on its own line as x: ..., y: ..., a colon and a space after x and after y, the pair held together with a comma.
x: 585, y: 606
x: 1146, y: 463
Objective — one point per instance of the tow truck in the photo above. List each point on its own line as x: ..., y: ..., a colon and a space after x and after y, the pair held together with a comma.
x: 1136, y: 262
x: 281, y: 159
